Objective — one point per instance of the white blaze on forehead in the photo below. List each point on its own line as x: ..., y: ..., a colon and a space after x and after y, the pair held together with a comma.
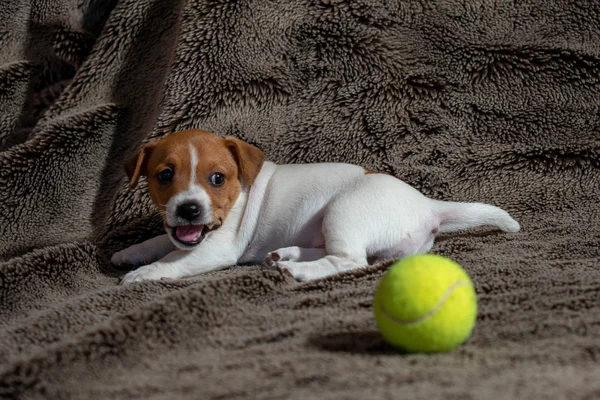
x: 194, y: 165
x: 193, y: 194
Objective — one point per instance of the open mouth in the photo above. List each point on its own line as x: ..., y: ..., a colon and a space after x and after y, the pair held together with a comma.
x: 192, y: 235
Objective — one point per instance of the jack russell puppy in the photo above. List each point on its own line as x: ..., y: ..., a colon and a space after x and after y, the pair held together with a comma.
x: 223, y: 204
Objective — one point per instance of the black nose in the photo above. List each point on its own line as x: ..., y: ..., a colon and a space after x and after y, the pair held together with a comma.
x: 188, y: 211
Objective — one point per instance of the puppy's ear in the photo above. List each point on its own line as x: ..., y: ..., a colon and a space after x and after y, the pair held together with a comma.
x: 249, y: 158
x: 137, y: 165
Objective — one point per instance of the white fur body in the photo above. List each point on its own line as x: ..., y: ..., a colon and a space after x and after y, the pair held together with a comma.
x: 312, y: 221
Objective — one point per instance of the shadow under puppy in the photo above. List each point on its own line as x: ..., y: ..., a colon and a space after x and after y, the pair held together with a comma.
x: 223, y: 204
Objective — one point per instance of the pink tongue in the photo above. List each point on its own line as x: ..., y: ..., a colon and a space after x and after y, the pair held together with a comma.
x: 189, y: 233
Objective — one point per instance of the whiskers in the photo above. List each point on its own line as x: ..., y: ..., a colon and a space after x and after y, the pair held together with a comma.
x: 163, y: 214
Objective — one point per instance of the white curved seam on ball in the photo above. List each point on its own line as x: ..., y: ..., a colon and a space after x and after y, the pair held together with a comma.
x: 431, y: 312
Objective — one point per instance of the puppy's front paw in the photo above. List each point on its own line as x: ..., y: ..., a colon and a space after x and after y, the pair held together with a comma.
x: 129, y: 256
x: 150, y: 272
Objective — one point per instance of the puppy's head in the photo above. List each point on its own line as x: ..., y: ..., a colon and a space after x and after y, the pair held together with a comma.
x: 195, y: 178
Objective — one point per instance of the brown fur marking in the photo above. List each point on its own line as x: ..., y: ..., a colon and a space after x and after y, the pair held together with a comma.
x: 370, y: 171
x: 215, y: 154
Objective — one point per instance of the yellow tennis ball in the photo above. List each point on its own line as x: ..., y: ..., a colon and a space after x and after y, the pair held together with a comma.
x: 425, y: 303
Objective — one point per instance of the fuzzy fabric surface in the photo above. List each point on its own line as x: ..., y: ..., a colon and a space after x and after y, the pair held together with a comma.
x: 479, y: 100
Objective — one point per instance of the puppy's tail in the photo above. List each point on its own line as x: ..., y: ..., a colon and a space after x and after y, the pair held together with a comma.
x: 458, y: 216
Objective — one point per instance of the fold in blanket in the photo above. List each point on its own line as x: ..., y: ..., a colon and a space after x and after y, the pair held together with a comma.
x: 485, y: 101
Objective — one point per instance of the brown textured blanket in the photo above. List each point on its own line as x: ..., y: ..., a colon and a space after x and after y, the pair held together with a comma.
x: 478, y: 100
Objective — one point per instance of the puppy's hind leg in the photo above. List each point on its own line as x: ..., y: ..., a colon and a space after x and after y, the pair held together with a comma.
x: 344, y: 245
x: 294, y: 253
x: 326, y: 266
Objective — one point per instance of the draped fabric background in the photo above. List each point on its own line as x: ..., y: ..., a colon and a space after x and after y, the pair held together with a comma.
x: 479, y: 100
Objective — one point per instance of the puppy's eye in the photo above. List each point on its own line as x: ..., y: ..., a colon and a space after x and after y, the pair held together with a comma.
x: 217, y: 179
x: 165, y: 176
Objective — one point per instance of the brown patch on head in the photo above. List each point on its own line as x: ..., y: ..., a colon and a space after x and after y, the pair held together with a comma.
x: 232, y: 158
x: 370, y: 171
x: 136, y: 165
x: 249, y: 158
